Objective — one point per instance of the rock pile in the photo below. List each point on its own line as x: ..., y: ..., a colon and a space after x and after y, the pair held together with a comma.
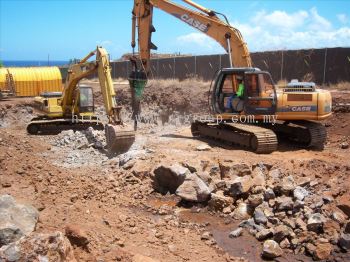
x: 39, y: 247
x: 81, y: 139
x: 18, y: 242
x: 284, y: 211
x: 16, y: 220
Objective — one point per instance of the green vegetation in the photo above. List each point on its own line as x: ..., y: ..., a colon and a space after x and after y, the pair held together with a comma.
x: 1, y: 64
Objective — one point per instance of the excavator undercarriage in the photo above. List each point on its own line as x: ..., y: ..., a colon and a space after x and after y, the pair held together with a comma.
x: 263, y: 139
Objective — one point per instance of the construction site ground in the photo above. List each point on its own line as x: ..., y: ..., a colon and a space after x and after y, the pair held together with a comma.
x: 114, y: 203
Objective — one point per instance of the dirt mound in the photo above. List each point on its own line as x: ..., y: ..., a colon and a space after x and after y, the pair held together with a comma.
x: 16, y: 114
x: 189, y: 96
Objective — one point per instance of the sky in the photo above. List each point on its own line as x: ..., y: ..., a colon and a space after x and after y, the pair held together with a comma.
x: 66, y: 29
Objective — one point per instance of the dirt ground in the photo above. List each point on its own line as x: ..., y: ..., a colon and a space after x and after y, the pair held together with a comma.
x: 116, y: 206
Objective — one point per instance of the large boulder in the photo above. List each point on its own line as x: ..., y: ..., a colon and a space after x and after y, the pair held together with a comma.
x: 39, y: 247
x: 16, y: 220
x: 193, y: 189
x: 169, y: 178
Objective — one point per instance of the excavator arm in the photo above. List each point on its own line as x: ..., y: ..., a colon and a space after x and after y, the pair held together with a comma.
x: 84, y: 69
x: 205, y: 20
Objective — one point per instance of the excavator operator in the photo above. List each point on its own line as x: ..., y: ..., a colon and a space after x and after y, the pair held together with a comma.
x: 240, y: 91
x: 235, y: 101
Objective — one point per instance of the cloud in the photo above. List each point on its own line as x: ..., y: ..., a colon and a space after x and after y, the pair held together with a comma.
x: 280, y: 19
x: 278, y: 30
x: 318, y: 22
x: 343, y: 18
x: 104, y: 43
x: 199, y: 39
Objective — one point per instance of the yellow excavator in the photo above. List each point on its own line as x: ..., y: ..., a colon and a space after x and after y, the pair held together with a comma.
x: 255, y: 117
x: 74, y: 108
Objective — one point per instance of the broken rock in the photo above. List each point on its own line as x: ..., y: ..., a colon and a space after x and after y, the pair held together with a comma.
x: 242, y: 211
x: 230, y: 170
x: 193, y: 189
x: 281, y: 232
x: 236, y: 233
x: 169, y: 178
x: 344, y: 241
x: 255, y: 200
x: 259, y: 217
x: 203, y: 147
x: 76, y: 235
x: 39, y: 247
x: 271, y: 249
x: 339, y: 216
x: 300, y: 193
x: 315, y: 222
x: 284, y: 203
x: 240, y: 186
x: 16, y: 220
x: 269, y: 194
x: 286, y: 186
x: 264, y: 234
x: 218, y: 201
x: 322, y: 251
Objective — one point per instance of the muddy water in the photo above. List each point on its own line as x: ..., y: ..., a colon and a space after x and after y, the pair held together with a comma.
x: 244, y: 246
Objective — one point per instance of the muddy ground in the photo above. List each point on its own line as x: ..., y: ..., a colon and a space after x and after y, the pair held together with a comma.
x: 73, y: 182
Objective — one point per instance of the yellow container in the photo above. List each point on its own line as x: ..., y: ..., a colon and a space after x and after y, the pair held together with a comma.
x: 3, y: 72
x: 32, y: 81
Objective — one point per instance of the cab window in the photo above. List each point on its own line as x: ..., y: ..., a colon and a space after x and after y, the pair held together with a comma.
x: 86, y: 97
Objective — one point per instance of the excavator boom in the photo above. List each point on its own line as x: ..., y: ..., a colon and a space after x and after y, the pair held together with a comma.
x: 204, y: 20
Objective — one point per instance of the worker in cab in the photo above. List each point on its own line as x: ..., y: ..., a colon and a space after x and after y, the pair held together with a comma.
x: 235, y: 101
x: 240, y: 91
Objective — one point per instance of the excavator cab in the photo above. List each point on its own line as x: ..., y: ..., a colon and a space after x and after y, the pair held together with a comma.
x: 86, y: 99
x: 258, y: 96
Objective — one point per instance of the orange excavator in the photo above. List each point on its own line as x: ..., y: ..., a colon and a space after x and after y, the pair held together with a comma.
x: 292, y: 111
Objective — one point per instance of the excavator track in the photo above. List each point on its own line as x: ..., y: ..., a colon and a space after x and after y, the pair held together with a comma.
x: 305, y: 133
x: 55, y: 126
x: 257, y: 139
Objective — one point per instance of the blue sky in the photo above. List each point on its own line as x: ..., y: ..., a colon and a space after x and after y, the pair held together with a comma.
x: 30, y: 30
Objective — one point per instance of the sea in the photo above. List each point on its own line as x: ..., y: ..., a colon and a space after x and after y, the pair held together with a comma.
x: 30, y: 63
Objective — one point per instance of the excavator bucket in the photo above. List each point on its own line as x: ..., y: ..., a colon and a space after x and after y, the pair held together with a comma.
x: 119, y: 138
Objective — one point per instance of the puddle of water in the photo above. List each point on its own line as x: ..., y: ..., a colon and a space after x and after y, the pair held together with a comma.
x: 244, y: 246
x: 167, y: 201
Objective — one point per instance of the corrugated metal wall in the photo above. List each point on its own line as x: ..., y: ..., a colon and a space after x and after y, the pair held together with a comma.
x: 31, y: 81
x: 328, y: 65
